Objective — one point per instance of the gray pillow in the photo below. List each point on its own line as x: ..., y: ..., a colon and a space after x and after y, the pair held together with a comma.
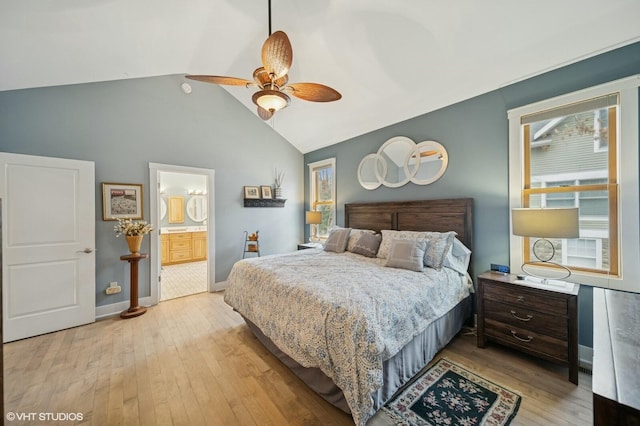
x: 367, y: 244
x: 407, y: 254
x: 439, y: 245
x: 337, y: 240
x: 354, y: 235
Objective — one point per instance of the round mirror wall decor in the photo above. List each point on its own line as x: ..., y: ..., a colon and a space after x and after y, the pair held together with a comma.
x: 197, y: 208
x: 371, y: 171
x: 400, y: 160
x: 432, y: 162
x: 163, y: 208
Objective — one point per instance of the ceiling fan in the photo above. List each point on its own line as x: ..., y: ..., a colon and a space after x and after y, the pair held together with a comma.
x: 272, y: 80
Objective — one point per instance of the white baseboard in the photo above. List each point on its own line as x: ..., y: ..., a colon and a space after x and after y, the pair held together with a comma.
x: 115, y: 308
x: 585, y: 357
x: 219, y: 286
x: 112, y: 309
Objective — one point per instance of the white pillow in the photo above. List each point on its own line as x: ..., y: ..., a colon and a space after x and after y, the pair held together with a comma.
x: 458, y: 257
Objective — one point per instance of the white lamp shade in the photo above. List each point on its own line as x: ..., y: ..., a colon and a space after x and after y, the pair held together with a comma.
x: 546, y: 223
x: 313, y: 218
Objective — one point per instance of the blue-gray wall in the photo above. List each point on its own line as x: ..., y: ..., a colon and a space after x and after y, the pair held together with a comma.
x: 475, y: 134
x: 124, y: 125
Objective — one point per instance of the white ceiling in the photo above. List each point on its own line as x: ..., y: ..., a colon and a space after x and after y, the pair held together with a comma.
x: 390, y: 60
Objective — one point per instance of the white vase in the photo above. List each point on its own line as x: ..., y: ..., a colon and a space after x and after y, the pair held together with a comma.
x: 278, y: 192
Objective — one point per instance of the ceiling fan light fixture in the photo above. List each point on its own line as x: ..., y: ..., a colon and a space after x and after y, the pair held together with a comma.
x: 271, y: 100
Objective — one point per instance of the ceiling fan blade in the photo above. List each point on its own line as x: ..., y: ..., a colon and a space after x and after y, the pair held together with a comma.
x: 265, y: 114
x: 313, y: 92
x: 277, y: 54
x: 217, y: 79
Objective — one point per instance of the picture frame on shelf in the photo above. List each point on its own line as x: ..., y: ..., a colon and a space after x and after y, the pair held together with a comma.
x: 266, y: 192
x: 251, y: 192
x: 122, y: 201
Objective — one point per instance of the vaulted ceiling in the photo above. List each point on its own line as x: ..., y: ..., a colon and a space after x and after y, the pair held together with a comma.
x: 391, y: 61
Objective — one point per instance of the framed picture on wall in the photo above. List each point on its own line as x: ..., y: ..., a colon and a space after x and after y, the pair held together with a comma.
x: 251, y: 192
x: 121, y: 201
x: 266, y: 192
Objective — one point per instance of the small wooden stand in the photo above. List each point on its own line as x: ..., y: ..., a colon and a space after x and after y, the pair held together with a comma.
x: 134, y: 310
x: 250, y: 246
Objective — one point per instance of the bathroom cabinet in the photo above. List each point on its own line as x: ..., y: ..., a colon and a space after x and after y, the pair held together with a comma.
x: 183, y: 247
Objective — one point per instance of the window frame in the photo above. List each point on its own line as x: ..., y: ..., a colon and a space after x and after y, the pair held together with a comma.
x: 626, y: 195
x: 313, y: 202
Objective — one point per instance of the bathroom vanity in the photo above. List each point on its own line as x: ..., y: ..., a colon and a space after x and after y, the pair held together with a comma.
x: 183, y: 244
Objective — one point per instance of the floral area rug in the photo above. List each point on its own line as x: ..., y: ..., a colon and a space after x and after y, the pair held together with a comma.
x: 448, y: 394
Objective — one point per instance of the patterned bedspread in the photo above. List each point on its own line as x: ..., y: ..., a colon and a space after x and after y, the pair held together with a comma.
x: 343, y: 313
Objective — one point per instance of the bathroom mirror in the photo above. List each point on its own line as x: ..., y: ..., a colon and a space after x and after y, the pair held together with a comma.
x: 197, y: 208
x: 163, y: 208
x: 395, y: 153
x: 432, y: 163
x: 371, y: 171
x: 400, y: 160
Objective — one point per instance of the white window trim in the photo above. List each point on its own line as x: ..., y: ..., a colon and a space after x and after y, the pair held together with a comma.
x: 312, y: 184
x: 628, y: 211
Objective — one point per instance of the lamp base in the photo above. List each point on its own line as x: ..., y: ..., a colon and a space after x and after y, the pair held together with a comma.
x: 545, y: 280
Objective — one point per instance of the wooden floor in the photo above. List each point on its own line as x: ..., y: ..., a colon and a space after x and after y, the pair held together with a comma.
x: 192, y: 361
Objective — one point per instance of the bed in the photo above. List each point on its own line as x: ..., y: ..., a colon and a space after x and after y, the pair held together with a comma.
x: 351, y: 327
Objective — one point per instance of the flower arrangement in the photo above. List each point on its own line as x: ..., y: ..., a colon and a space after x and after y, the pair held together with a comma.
x: 279, y: 178
x: 132, y: 228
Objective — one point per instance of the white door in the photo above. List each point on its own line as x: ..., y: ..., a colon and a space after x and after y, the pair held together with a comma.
x: 48, y: 240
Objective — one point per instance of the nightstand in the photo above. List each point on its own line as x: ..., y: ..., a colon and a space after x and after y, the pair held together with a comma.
x: 541, y: 320
x: 309, y: 246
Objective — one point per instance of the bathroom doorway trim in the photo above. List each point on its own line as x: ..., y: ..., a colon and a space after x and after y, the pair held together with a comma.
x: 155, y: 169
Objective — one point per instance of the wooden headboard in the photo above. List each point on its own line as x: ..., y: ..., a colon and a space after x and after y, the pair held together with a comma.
x: 454, y: 214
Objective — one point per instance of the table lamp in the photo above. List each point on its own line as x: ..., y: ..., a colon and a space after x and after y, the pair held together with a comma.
x: 544, y: 223
x: 313, y: 218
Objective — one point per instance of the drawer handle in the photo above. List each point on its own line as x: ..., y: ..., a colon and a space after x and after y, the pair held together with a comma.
x: 514, y: 314
x: 520, y: 299
x: 527, y: 340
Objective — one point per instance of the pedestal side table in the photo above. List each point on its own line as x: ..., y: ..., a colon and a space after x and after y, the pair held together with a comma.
x: 134, y: 310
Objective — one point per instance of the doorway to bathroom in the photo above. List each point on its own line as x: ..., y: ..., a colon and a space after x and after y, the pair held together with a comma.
x: 184, y: 241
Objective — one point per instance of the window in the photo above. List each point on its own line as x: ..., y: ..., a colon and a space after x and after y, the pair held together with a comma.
x: 581, y: 150
x: 322, y: 177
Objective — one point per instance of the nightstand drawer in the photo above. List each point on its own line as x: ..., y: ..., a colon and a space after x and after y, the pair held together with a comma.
x: 537, y: 299
x: 524, y: 317
x: 535, y: 343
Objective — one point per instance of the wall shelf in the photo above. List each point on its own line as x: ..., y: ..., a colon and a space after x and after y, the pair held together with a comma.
x: 264, y: 202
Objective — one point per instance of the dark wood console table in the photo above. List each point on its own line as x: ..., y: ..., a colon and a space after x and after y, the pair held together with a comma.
x: 616, y: 358
x: 134, y: 309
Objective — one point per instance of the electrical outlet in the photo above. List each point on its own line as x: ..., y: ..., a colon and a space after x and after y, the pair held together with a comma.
x: 113, y: 289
